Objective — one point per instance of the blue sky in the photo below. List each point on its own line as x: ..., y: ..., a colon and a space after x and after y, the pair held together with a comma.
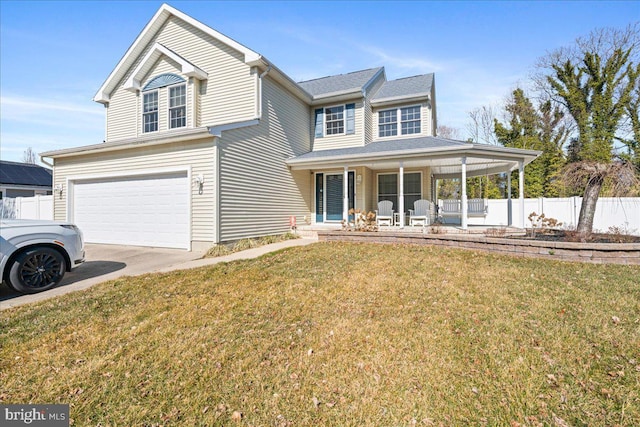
x: 55, y: 55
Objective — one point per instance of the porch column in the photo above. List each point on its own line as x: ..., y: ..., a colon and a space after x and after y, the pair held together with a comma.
x: 509, y: 206
x: 345, y: 192
x: 521, y: 190
x: 401, y: 195
x: 463, y: 197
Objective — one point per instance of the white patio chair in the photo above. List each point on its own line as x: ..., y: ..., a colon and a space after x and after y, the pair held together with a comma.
x: 422, y: 213
x: 384, y: 213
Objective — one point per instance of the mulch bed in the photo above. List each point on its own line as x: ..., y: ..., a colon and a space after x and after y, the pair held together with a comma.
x: 572, y: 236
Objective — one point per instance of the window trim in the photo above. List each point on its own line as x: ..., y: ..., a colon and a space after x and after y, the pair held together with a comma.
x: 397, y: 174
x: 169, y: 107
x: 399, y: 121
x: 156, y: 111
x: 326, y: 120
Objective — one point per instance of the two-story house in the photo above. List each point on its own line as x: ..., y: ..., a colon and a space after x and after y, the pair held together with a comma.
x: 208, y: 141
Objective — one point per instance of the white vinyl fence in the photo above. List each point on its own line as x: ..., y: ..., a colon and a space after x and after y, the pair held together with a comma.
x: 623, y: 212
x: 37, y: 207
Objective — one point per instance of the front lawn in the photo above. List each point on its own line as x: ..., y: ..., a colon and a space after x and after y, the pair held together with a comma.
x: 338, y: 334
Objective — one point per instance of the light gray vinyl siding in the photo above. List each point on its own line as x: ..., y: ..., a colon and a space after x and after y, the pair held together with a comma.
x: 369, y: 130
x: 198, y: 155
x: 339, y: 141
x: 258, y: 192
x: 228, y: 95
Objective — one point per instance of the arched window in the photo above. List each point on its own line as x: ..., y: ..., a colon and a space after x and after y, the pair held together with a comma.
x: 177, y: 102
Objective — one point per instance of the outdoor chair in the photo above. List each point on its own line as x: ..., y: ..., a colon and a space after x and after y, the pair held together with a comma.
x: 422, y: 212
x: 384, y: 213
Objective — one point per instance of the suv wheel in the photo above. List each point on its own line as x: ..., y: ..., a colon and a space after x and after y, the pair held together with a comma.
x: 36, y: 270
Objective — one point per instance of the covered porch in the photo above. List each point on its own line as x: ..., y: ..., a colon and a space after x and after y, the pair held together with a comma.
x: 404, y: 171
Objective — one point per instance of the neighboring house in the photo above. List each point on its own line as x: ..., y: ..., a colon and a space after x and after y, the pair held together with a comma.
x: 23, y: 180
x: 207, y: 141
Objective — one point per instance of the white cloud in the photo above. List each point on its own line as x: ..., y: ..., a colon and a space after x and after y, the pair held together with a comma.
x: 36, y: 105
x: 414, y: 62
x: 47, y: 124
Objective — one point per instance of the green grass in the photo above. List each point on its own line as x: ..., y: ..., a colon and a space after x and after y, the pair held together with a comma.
x: 338, y: 334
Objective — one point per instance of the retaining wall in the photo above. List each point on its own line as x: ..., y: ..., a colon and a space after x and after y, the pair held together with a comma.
x: 601, y: 253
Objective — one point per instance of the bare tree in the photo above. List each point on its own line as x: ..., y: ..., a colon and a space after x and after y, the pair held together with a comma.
x: 481, y: 126
x: 448, y: 132
x: 29, y: 156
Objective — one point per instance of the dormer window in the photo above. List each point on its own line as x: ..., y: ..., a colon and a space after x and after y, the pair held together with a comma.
x: 150, y: 111
x: 171, y: 105
x: 409, y: 121
x: 388, y: 123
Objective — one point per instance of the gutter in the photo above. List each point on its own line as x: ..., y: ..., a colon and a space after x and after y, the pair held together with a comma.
x: 46, y: 162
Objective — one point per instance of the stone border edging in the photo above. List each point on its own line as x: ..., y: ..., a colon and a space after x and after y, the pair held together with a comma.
x: 600, y: 253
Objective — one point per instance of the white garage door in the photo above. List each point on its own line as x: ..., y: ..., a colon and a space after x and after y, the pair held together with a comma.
x: 149, y: 210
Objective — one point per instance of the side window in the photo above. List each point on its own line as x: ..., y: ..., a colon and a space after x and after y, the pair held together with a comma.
x: 177, y: 106
x: 150, y: 112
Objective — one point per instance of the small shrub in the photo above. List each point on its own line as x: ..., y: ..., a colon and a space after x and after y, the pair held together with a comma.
x: 542, y: 222
x: 621, y: 234
x: 216, y: 251
x: 496, y: 232
x: 362, y: 221
x: 244, y: 244
x: 436, y: 228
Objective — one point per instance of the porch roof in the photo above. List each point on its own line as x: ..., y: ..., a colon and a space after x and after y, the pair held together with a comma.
x: 444, y: 156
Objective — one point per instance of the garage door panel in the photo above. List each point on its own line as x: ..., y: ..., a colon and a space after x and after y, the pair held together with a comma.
x: 144, y: 210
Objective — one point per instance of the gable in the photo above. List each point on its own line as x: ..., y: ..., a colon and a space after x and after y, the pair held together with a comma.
x: 149, y: 33
x: 159, y: 52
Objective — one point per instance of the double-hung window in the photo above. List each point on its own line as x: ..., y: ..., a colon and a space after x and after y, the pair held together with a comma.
x: 388, y: 123
x: 150, y: 111
x: 388, y: 189
x: 177, y: 106
x: 409, y: 121
x: 334, y: 120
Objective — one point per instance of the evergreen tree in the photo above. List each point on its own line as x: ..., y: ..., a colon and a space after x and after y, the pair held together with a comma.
x: 595, y: 83
x: 540, y: 129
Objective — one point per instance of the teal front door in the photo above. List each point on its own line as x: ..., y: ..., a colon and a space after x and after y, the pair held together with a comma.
x: 330, y: 194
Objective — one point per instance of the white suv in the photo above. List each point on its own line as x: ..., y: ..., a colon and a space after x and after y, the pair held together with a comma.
x: 34, y: 255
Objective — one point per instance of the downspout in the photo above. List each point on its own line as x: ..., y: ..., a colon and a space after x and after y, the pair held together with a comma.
x: 259, y: 98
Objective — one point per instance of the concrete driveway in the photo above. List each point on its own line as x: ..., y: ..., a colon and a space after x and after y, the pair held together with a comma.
x: 105, y: 262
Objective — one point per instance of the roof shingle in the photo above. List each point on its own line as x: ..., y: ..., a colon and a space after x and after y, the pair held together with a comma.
x: 409, y: 86
x: 356, y: 80
x: 24, y: 174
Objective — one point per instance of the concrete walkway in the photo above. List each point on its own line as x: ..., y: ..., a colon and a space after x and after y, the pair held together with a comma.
x: 108, y: 262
